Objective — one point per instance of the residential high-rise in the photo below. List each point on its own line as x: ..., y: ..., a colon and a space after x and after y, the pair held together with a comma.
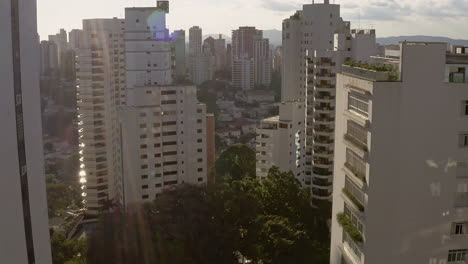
x: 229, y: 56
x: 400, y: 185
x: 48, y: 57
x: 24, y: 223
x: 75, y: 38
x: 243, y: 73
x: 220, y: 52
x: 60, y: 39
x: 100, y: 78
x: 163, y: 126
x: 180, y: 62
x: 195, y: 40
x: 282, y: 134
x: 249, y: 61
x: 262, y: 62
x: 316, y: 41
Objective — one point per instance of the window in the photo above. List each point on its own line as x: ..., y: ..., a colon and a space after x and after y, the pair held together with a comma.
x: 200, y: 179
x: 158, y: 185
x: 199, y: 140
x: 199, y: 150
x: 200, y: 169
x: 156, y: 125
x: 464, y: 140
x: 173, y: 133
x: 170, y: 123
x: 459, y: 228
x: 145, y: 196
x: 167, y: 173
x: 170, y: 153
x: 168, y: 92
x: 199, y: 111
x: 143, y: 146
x: 457, y: 255
x: 199, y: 131
x: 199, y: 121
x: 168, y: 102
x: 169, y: 163
x: 142, y: 114
x: 157, y: 165
x: 144, y: 166
x: 144, y: 156
x: 200, y: 160
x: 170, y: 183
x: 157, y: 135
x: 142, y: 125
x: 354, y: 219
x: 171, y: 143
x: 358, y: 104
x: 355, y: 163
x: 144, y: 177
x: 157, y: 155
x: 144, y: 187
x: 465, y: 107
x: 143, y: 136
x: 157, y: 145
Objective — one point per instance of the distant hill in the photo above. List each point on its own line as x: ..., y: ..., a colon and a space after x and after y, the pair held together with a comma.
x: 396, y: 40
x: 275, y: 36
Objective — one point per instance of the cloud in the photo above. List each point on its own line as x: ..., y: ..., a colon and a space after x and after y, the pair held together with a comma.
x: 279, y: 6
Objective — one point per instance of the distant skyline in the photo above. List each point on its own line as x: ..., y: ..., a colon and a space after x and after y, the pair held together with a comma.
x: 389, y: 17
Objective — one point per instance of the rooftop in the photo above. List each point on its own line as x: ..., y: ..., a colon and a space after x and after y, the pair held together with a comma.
x: 380, y: 72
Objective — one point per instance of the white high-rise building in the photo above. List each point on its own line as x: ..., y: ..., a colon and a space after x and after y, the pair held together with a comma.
x: 100, y: 74
x: 262, y: 62
x: 282, y: 134
x: 243, y: 74
x: 163, y: 126
x: 401, y: 170
x: 316, y: 41
x: 24, y: 228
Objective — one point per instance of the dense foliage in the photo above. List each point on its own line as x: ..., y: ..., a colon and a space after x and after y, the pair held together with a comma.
x: 67, y: 251
x: 236, y: 162
x: 266, y: 221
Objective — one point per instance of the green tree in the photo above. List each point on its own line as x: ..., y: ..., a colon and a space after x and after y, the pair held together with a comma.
x: 236, y: 162
x: 61, y: 196
x: 69, y: 251
x: 268, y: 221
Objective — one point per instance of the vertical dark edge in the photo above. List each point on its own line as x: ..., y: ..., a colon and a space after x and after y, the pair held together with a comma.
x: 18, y: 97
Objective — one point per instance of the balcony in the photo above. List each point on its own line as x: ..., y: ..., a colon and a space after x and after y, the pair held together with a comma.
x: 323, y: 140
x: 353, y: 199
x: 349, y: 228
x: 371, y: 72
x: 324, y: 97
x: 320, y: 107
x: 322, y: 172
x: 358, y: 174
x: 358, y: 144
x: 323, y: 129
x: 324, y: 118
x: 325, y: 75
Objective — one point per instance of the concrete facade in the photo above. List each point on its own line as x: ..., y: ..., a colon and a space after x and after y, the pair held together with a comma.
x: 400, y: 163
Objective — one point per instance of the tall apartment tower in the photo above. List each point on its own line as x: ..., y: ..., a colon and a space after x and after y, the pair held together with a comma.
x: 48, y: 57
x: 180, y: 62
x: 262, y: 62
x: 220, y: 52
x: 75, y: 39
x: 163, y: 126
x: 100, y: 77
x: 195, y: 40
x: 24, y: 229
x: 248, y: 57
x: 316, y: 41
x: 400, y: 187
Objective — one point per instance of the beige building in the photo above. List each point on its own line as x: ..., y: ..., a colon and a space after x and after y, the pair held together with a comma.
x: 100, y: 77
x: 400, y: 163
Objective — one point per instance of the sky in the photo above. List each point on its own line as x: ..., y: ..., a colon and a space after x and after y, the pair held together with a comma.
x: 447, y: 18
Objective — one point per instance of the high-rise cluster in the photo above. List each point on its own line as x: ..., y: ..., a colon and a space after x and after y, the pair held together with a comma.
x: 316, y: 42
x: 251, y: 58
x: 140, y: 133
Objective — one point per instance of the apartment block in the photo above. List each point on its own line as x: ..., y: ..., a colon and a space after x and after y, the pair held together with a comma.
x: 24, y: 228
x: 100, y: 78
x: 243, y: 73
x: 262, y: 62
x: 163, y: 126
x: 280, y: 141
x: 400, y: 161
x: 316, y: 41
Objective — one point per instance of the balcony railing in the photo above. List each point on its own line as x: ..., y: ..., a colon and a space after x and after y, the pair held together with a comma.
x: 373, y: 75
x: 356, y: 142
x: 324, y: 118
x: 324, y: 108
x: 323, y: 129
x: 359, y: 174
x: 353, y: 199
x: 323, y: 140
x: 321, y: 171
x: 324, y: 97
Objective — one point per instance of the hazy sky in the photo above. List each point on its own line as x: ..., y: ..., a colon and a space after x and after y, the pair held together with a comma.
x: 448, y: 18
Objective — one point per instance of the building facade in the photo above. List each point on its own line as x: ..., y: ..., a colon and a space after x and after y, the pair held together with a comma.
x: 279, y: 141
x: 24, y: 221
x: 100, y: 81
x: 163, y: 126
x: 400, y: 183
